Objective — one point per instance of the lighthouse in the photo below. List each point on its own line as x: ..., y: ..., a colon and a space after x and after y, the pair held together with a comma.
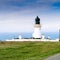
x: 37, y: 29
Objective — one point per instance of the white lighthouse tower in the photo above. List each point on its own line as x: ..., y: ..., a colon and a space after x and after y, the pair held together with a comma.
x: 37, y: 29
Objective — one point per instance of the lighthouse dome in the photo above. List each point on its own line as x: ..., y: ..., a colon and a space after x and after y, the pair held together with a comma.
x: 37, y: 20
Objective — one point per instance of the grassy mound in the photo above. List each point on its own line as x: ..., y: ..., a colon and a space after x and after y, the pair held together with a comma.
x: 28, y: 50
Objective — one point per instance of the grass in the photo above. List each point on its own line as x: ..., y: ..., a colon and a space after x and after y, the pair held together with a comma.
x: 28, y: 50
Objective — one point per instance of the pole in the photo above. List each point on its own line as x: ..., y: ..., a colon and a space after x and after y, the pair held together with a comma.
x: 59, y: 34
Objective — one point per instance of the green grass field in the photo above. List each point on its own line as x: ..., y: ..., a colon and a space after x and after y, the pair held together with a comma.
x: 28, y: 50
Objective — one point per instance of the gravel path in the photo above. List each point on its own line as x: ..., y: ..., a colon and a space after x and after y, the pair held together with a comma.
x: 55, y: 57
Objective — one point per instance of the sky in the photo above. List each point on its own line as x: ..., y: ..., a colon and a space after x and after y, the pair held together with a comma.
x: 19, y: 15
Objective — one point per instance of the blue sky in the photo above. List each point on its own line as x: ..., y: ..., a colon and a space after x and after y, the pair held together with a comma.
x: 19, y: 15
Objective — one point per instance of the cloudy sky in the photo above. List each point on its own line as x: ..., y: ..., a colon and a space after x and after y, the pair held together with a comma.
x: 19, y: 15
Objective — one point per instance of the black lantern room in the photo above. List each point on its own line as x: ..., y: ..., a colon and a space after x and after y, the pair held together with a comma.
x: 37, y: 20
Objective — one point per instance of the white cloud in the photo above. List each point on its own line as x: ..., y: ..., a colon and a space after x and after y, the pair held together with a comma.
x: 23, y: 21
